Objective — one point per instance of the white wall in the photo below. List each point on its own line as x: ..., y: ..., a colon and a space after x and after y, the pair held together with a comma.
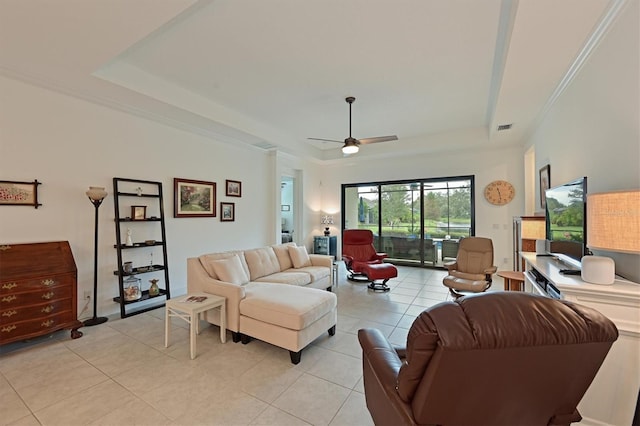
x: 594, y: 128
x: 69, y: 144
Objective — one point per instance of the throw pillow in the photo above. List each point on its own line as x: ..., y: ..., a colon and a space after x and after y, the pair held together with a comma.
x: 230, y: 270
x: 299, y: 256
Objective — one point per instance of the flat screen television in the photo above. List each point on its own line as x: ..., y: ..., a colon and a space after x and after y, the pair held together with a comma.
x: 566, y: 219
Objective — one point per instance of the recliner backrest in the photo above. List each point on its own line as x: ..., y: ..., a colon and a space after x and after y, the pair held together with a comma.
x: 475, y: 254
x: 496, y: 358
x: 358, y: 243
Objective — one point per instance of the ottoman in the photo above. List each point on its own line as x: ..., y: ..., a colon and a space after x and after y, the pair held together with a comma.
x: 379, y: 271
x: 287, y: 316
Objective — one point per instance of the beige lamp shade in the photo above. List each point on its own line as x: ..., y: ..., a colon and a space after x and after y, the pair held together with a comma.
x: 96, y: 193
x: 533, y: 229
x: 613, y: 221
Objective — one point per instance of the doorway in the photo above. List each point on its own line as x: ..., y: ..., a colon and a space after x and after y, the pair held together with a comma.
x: 287, y: 208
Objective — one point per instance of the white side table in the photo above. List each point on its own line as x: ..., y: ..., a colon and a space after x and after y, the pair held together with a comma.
x: 190, y: 312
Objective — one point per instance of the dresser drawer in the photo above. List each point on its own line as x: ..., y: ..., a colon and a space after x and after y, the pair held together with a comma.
x: 21, y: 313
x: 34, y: 297
x: 44, y: 282
x: 33, y: 327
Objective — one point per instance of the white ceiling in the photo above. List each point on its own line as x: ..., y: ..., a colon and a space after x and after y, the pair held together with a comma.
x: 440, y: 74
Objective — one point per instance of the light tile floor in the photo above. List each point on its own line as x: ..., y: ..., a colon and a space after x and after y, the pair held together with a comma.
x: 120, y: 373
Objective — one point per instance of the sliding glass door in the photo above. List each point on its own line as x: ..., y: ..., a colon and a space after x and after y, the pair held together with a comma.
x: 415, y: 222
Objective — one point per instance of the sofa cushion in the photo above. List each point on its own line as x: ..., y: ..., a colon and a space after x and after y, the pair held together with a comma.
x: 230, y: 270
x: 288, y: 277
x: 287, y: 306
x: 316, y: 272
x: 207, y: 259
x: 282, y: 253
x: 299, y: 256
x: 261, y: 262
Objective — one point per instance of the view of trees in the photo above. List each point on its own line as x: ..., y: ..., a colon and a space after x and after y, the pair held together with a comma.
x: 444, y: 210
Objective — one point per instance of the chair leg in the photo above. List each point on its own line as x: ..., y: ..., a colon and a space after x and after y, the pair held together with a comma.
x: 379, y: 286
x: 455, y: 293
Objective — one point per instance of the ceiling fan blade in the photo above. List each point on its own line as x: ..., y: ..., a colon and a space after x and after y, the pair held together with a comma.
x: 324, y: 140
x: 378, y: 139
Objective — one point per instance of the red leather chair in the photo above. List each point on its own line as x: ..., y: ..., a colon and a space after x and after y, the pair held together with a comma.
x: 502, y: 358
x: 363, y: 262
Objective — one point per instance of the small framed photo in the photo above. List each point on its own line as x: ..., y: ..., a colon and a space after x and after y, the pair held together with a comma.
x: 234, y: 188
x: 545, y: 180
x: 14, y: 193
x: 285, y: 208
x: 227, y: 212
x: 194, y: 198
x: 138, y: 212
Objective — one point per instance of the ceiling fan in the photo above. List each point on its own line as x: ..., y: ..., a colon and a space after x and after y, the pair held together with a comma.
x: 352, y: 145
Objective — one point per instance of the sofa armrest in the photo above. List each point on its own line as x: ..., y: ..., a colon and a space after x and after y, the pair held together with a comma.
x: 321, y: 260
x: 198, y: 280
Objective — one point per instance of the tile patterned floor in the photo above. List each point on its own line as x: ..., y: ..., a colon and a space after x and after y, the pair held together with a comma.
x: 120, y: 373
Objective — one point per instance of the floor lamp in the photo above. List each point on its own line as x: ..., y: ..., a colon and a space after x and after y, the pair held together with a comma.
x: 96, y: 195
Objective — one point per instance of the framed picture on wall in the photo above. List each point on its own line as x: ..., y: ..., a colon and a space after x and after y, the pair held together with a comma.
x: 16, y: 193
x: 234, y: 188
x: 227, y: 212
x: 194, y: 198
x: 545, y: 179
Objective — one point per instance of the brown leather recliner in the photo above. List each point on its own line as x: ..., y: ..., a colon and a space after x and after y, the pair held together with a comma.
x: 504, y: 358
x: 473, y: 268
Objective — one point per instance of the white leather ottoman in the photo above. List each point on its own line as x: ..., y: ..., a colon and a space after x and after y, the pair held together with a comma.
x: 290, y: 317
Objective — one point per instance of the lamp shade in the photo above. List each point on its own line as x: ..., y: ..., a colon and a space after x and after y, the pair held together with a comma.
x: 613, y: 221
x: 327, y: 220
x: 533, y: 229
x: 96, y: 193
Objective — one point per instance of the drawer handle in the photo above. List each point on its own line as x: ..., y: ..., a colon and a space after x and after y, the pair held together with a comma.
x: 47, y: 309
x: 9, y: 328
x: 48, y: 282
x: 9, y: 314
x: 48, y: 295
x: 9, y: 286
x: 9, y: 298
x: 47, y: 323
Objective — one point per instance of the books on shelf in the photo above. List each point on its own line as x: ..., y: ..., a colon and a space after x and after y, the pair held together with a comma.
x: 195, y: 299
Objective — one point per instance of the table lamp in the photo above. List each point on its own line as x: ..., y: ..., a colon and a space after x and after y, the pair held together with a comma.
x: 613, y: 224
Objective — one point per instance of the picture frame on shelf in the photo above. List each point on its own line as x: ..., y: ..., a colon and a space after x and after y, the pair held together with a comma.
x: 227, y: 212
x: 194, y: 198
x: 234, y: 188
x: 545, y: 183
x: 19, y: 193
x: 138, y: 212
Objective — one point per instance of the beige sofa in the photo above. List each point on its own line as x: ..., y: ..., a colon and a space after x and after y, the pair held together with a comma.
x: 277, y: 294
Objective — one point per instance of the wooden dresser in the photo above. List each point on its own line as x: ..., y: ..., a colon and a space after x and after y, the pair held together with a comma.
x: 38, y: 290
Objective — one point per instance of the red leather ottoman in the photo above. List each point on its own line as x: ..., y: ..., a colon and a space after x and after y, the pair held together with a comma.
x: 379, y: 271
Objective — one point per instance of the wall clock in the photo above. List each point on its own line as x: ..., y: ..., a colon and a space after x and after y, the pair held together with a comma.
x: 499, y: 192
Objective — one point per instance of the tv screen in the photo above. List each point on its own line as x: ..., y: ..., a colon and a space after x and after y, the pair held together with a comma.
x: 566, y: 219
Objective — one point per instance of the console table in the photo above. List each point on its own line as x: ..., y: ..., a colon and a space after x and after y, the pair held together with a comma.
x: 613, y: 395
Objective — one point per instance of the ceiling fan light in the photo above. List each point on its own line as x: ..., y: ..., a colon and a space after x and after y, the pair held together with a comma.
x: 350, y: 149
